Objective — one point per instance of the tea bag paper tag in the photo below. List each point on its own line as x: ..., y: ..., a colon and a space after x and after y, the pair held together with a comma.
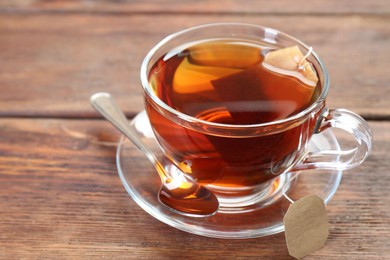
x: 306, y: 226
x: 291, y: 62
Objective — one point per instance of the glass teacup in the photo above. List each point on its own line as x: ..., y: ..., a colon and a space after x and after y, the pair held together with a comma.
x: 239, y: 162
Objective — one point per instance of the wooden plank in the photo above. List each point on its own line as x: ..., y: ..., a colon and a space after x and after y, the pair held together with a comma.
x: 51, y: 65
x: 60, y: 197
x: 205, y: 6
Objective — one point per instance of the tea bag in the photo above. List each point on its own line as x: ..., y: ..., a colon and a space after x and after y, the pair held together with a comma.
x: 306, y: 226
x: 291, y: 62
x: 249, y: 105
x: 280, y: 85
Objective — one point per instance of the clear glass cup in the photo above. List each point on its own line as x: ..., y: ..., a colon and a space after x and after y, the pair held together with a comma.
x: 285, y: 141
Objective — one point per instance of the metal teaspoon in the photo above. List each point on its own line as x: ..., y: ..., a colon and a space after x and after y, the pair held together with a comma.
x: 183, y: 195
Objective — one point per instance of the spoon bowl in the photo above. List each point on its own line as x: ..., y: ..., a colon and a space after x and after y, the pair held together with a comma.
x: 181, y: 194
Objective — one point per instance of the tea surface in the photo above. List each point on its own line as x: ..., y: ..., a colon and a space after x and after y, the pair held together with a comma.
x: 224, y: 81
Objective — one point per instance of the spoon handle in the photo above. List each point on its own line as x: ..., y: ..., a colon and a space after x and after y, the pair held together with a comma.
x: 183, y: 195
x: 105, y: 104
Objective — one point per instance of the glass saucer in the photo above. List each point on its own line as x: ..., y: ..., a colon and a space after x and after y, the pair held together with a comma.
x: 142, y: 183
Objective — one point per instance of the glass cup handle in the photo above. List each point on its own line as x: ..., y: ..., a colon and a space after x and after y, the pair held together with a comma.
x: 344, y: 159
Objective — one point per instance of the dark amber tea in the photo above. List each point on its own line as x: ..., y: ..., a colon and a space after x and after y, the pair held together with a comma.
x: 232, y: 82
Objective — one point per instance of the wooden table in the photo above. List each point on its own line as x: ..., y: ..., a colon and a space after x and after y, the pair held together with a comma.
x: 60, y: 195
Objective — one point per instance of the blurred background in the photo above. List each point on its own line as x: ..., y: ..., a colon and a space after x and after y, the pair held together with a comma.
x: 54, y: 54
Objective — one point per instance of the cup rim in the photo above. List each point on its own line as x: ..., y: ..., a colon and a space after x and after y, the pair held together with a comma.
x: 145, y: 81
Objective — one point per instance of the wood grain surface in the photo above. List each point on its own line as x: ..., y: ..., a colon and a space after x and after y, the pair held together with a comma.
x: 60, y: 194
x: 52, y: 64
x: 298, y: 7
x: 61, y: 197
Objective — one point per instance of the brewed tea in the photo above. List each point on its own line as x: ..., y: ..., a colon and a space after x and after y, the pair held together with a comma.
x: 225, y: 81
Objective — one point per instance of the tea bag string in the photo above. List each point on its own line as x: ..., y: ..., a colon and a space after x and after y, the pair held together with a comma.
x: 303, y: 62
x: 288, y: 198
x: 284, y: 191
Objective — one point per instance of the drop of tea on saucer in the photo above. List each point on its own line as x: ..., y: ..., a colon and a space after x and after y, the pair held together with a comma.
x: 306, y: 226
